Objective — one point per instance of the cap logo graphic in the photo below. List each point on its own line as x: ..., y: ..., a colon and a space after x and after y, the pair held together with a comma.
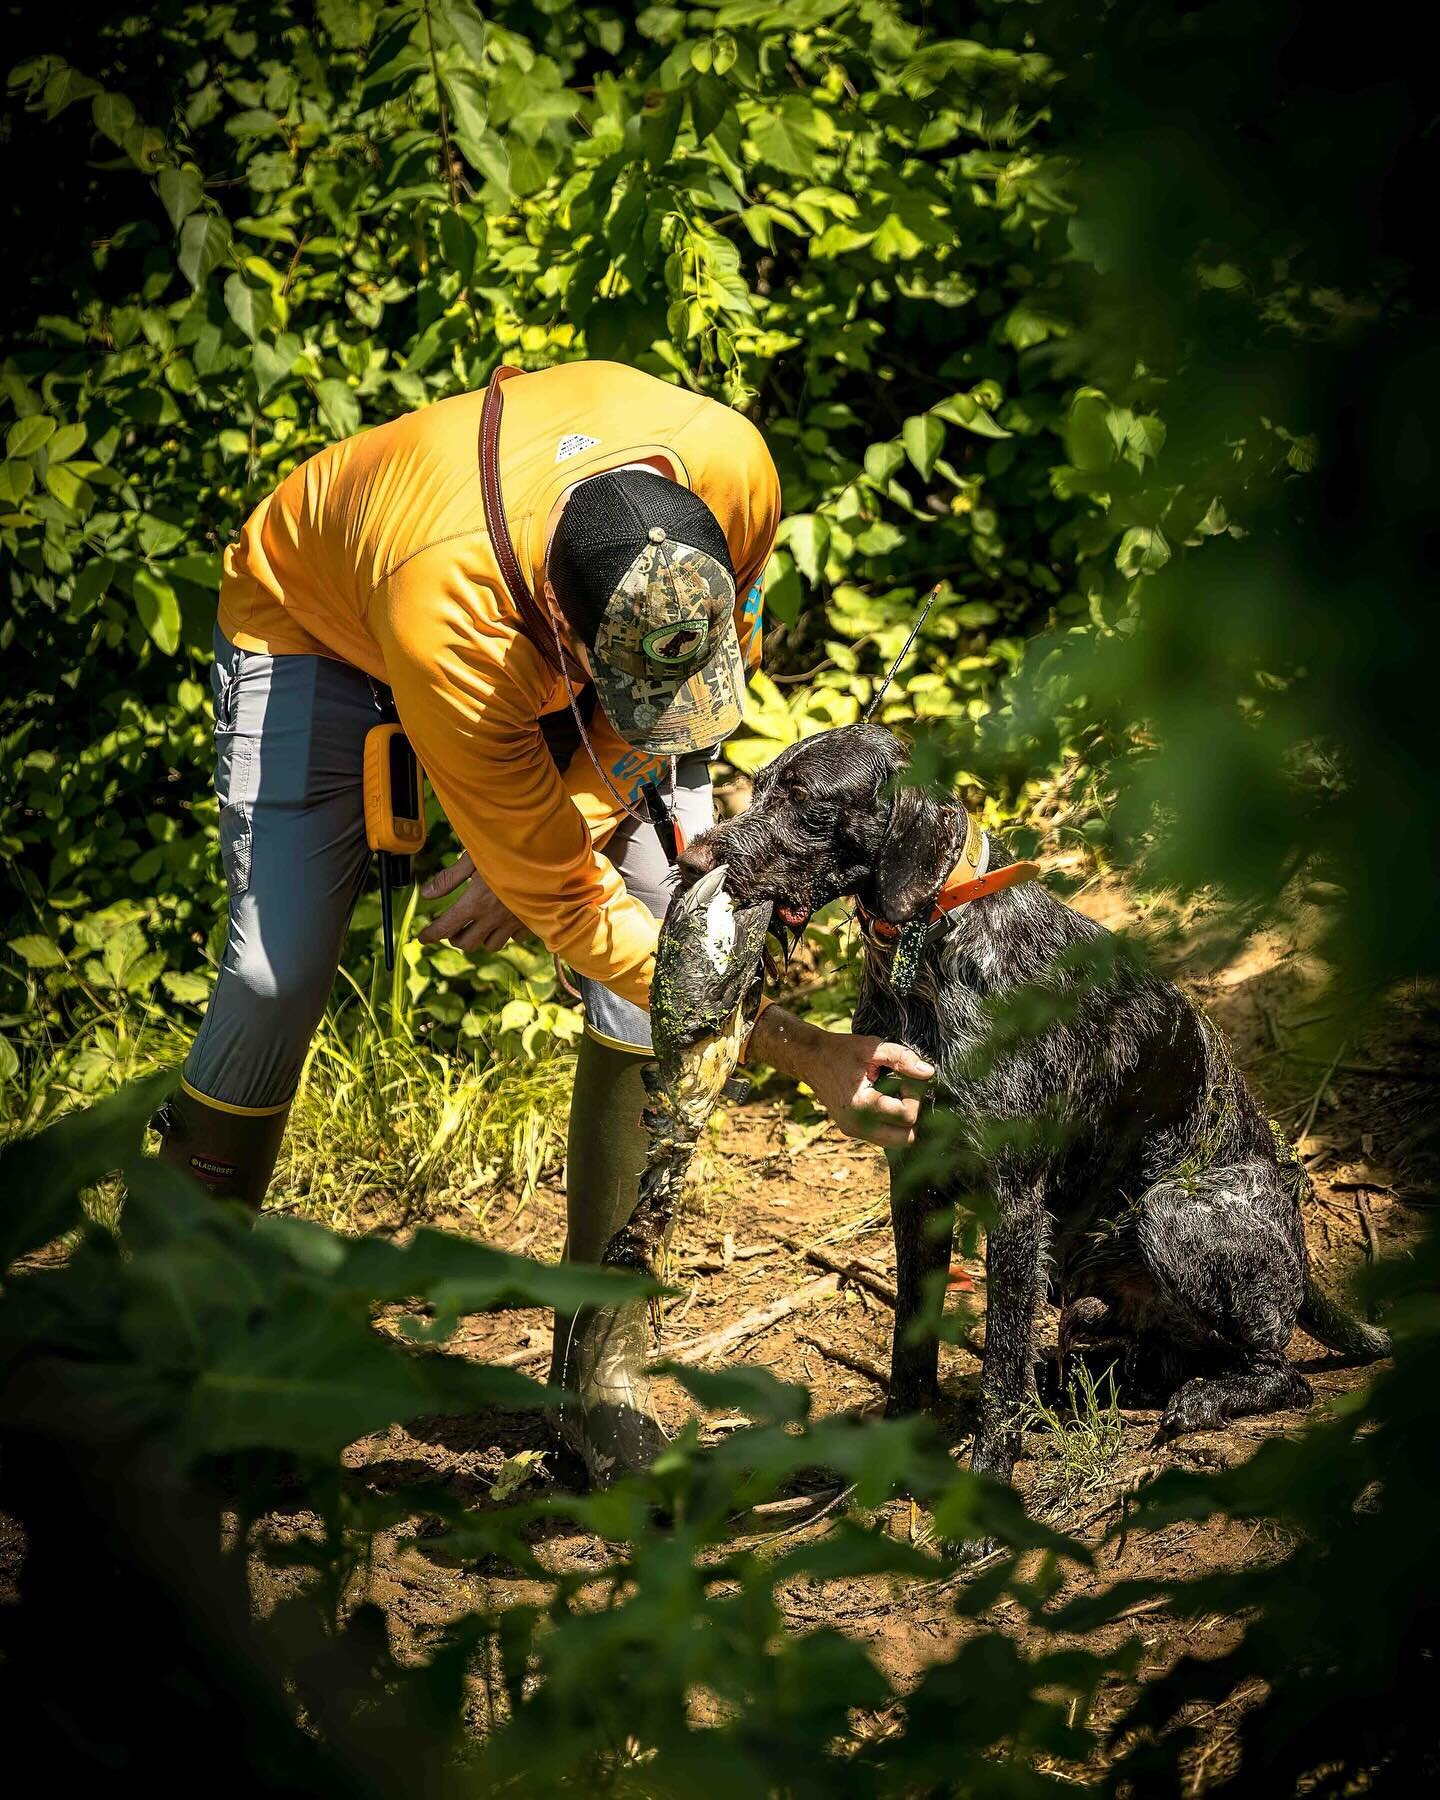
x: 572, y: 444
x: 678, y: 643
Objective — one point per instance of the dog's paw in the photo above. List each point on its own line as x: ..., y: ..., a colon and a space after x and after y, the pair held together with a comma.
x: 1197, y: 1406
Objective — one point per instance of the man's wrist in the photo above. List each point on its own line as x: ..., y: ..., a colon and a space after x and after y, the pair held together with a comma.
x: 779, y: 1039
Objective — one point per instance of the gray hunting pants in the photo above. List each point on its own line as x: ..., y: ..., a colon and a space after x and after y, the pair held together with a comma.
x: 289, y: 745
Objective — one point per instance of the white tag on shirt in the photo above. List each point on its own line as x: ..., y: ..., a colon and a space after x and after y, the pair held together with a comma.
x: 572, y: 444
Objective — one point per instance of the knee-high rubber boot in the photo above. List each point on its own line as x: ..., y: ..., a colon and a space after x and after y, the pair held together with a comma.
x: 230, y: 1153
x: 600, y: 1353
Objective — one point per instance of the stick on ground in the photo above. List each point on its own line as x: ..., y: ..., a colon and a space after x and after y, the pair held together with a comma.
x: 751, y: 1324
x: 851, y: 1271
x: 848, y: 1359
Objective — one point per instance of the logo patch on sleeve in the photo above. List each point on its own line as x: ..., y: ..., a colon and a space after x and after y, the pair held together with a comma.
x: 572, y: 444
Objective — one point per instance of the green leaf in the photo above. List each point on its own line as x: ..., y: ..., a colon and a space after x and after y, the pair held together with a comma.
x: 923, y: 437
x: 468, y: 26
x: 460, y: 1275
x: 114, y: 117
x: 204, y: 241
x: 64, y: 87
x: 784, y: 596
x: 181, y: 191
x: 157, y: 536
x: 807, y: 537
x: 251, y: 308
x: 709, y: 102
x: 893, y: 242
x: 26, y: 436
x: 879, y: 539
x: 983, y: 424
x: 1142, y: 551
x: 531, y: 166
x: 788, y: 136
x: 488, y: 154
x: 66, y: 441
x: 468, y: 101
x: 659, y: 130
x: 458, y: 242
x: 882, y: 460
x: 1087, y: 432
x: 1146, y: 435
x: 16, y: 481
x: 37, y: 952
x: 338, y: 407
x: 41, y: 1177
x: 90, y: 584
x: 271, y: 363
x: 189, y: 990
x: 349, y: 24
x: 158, y: 608
x: 312, y: 1377
x: 73, y: 493
x: 752, y: 1391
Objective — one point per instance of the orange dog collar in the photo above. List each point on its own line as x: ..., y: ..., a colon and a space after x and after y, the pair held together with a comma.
x: 969, y: 880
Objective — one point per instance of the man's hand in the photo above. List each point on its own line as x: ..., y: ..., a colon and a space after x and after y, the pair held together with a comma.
x: 842, y: 1071
x: 477, y: 920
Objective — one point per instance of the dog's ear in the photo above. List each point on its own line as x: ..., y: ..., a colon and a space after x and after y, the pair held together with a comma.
x: 915, y: 857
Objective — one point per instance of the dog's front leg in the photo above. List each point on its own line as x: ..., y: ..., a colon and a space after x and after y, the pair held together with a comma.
x: 1014, y: 1250
x: 918, y: 1216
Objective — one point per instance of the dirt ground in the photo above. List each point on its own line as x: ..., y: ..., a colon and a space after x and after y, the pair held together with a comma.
x: 776, y: 1203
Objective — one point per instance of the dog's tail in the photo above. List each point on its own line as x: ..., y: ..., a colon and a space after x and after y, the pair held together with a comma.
x: 1339, y: 1330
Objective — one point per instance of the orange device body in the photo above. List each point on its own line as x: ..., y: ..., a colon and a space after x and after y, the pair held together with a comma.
x: 394, y: 793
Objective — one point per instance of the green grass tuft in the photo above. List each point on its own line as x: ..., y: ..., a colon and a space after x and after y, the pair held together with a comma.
x: 387, y: 1129
x: 1084, y: 1436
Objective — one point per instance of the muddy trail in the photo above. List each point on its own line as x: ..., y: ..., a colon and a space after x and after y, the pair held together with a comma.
x: 783, y: 1258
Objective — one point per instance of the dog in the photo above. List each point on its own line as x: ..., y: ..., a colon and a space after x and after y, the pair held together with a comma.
x: 1093, y: 1113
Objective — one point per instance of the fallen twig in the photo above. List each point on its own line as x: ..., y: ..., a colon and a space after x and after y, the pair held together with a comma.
x: 1161, y: 1603
x: 787, y: 1508
x: 751, y: 1324
x: 1319, y: 1094
x: 853, y: 1270
x: 848, y: 1359
x: 1367, y: 1221
x: 801, y: 1524
x: 675, y: 1317
x: 713, y: 1262
x: 515, y: 1359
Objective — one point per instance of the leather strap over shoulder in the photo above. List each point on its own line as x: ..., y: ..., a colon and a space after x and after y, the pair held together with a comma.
x: 532, y: 620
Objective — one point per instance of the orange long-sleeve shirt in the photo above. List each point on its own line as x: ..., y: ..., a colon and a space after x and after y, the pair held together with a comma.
x: 375, y: 552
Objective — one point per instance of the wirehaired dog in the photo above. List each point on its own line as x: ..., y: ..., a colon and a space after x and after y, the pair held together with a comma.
x: 1116, y: 1150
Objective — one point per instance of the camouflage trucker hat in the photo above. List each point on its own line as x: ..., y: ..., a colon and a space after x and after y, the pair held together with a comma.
x: 641, y: 570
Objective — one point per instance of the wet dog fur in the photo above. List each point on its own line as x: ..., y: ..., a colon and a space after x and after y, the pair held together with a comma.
x: 1098, y: 1118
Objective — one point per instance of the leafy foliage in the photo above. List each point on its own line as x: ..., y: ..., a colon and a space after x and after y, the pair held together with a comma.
x: 162, y: 1394
x: 226, y: 1367
x: 303, y: 222
x: 1114, y: 322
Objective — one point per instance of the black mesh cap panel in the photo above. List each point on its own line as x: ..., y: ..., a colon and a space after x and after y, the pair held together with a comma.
x: 604, y: 527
